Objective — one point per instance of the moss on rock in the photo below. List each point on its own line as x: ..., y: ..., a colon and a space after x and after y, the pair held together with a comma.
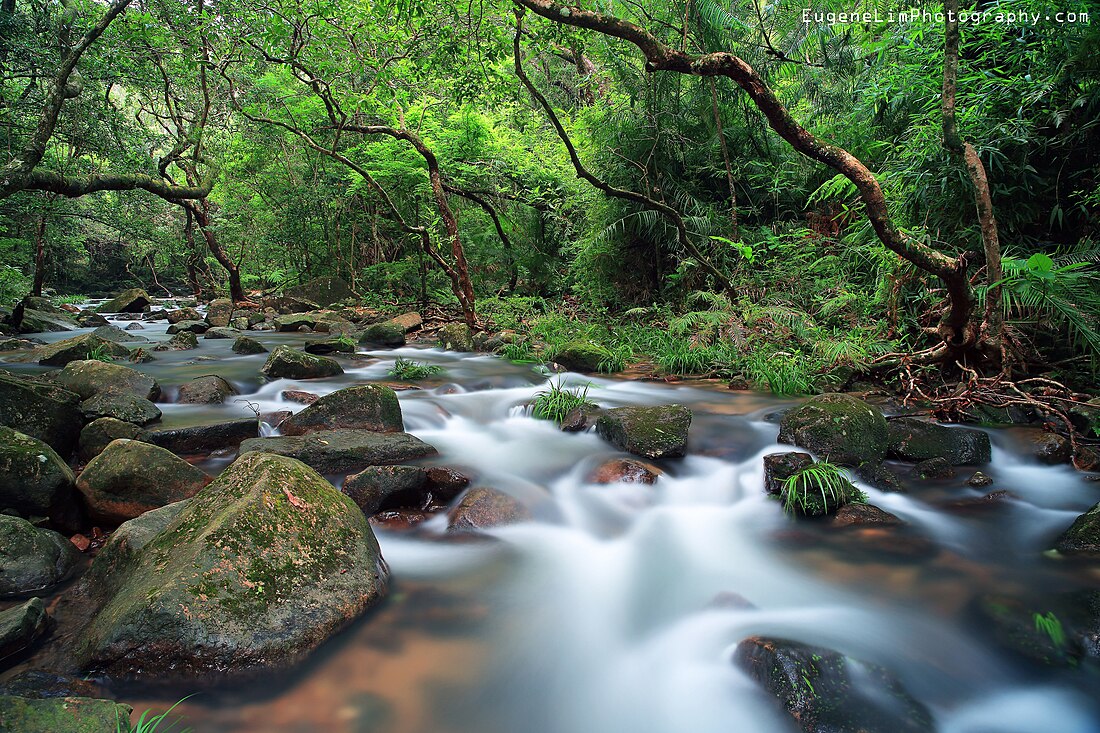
x: 34, y: 480
x: 911, y: 439
x: 44, y: 411
x: 838, y: 427
x: 63, y: 715
x: 456, y: 337
x: 581, y: 356
x: 363, y: 407
x: 649, y: 432
x: 31, y: 559
x: 287, y: 363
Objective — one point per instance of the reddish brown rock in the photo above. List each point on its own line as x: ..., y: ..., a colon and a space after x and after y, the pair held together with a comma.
x: 624, y: 470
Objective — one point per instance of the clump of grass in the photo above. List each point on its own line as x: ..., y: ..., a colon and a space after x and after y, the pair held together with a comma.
x: 616, y: 359
x: 99, y: 353
x: 412, y: 370
x: 819, y: 489
x: 347, y: 343
x: 146, y: 724
x: 1051, y: 626
x: 557, y: 402
x: 520, y: 352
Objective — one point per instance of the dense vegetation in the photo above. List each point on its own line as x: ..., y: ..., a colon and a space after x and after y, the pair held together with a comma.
x: 833, y: 197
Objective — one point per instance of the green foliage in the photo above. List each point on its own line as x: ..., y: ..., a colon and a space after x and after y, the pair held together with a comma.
x: 409, y: 370
x: 521, y: 352
x: 13, y: 284
x: 821, y: 484
x: 556, y: 402
x: 148, y: 723
x: 99, y: 353
x: 1050, y: 625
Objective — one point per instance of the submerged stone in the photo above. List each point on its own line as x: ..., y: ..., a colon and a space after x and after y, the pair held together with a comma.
x: 482, y: 508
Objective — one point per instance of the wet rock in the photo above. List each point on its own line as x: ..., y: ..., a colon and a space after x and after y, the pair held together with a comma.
x: 344, y: 451
x: 837, y: 427
x: 1087, y: 458
x: 220, y: 312
x: 934, y: 468
x: 38, y: 684
x: 1031, y: 630
x: 40, y: 409
x: 221, y: 332
x: 89, y: 378
x: 99, y: 433
x: 912, y: 439
x: 340, y: 345
x: 247, y: 345
x: 22, y: 626
x: 1050, y: 448
x: 408, y: 321
x: 64, y: 715
x: 1083, y: 536
x: 1010, y: 415
x: 318, y: 320
x: 77, y: 348
x: 649, y: 432
x: 879, y: 476
x: 133, y: 300
x: 120, y: 554
x: 208, y: 390
x: 827, y: 692
x: 624, y: 470
x: 256, y: 571
x: 192, y: 326
x: 123, y: 406
x: 32, y: 559
x: 131, y: 477
x: 197, y: 439
x: 183, y: 314
x: 581, y: 419
x: 979, y: 503
x: 482, y: 508
x: 456, y: 337
x: 35, y: 321
x: 806, y: 498
x: 302, y: 398
x: 1085, y: 416
x: 90, y: 319
x: 135, y: 326
x: 383, y: 334
x: 979, y: 480
x: 34, y: 480
x: 778, y: 467
x: 324, y: 291
x: 446, y: 483
x: 118, y: 335
x: 182, y: 341
x: 864, y: 515
x: 160, y: 314
x: 581, y: 356
x: 364, y: 407
x: 287, y: 363
x: 388, y: 488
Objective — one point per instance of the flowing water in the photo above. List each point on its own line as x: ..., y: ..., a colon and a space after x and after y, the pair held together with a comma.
x: 618, y: 607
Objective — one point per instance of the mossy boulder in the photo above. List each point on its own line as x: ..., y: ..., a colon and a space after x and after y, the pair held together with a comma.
x: 778, y: 467
x: 914, y: 440
x: 133, y: 300
x: 21, y: 626
x: 90, y: 319
x: 456, y: 337
x: 581, y: 356
x: 34, y: 480
x: 63, y: 715
x: 324, y: 291
x: 827, y: 692
x: 837, y: 427
x: 321, y: 347
x: 383, y: 334
x: 124, y: 406
x: 131, y: 477
x: 89, y: 378
x: 183, y: 314
x: 1083, y: 536
x: 363, y: 407
x: 182, y: 341
x: 35, y: 321
x: 191, y: 326
x: 222, y: 332
x: 220, y: 312
x: 116, y: 558
x: 40, y: 409
x: 99, y: 433
x: 649, y: 432
x: 32, y: 559
x: 481, y: 508
x: 344, y: 451
x: 206, y: 390
x: 260, y: 568
x: 77, y: 348
x: 318, y: 320
x: 248, y: 345
x: 409, y: 321
x: 287, y: 363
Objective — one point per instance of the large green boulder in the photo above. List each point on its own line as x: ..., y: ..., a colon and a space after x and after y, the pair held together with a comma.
x: 344, y: 451
x: 827, y: 692
x: 649, y: 432
x: 63, y: 715
x: 287, y: 363
x: 99, y: 433
x: 259, y: 569
x: 206, y: 390
x: 40, y: 409
x: 363, y: 407
x: 21, y: 626
x: 117, y: 335
x: 582, y: 356
x: 124, y: 406
x: 325, y: 291
x: 89, y: 378
x: 34, y: 480
x: 35, y: 321
x: 220, y: 312
x: 131, y: 477
x: 77, y: 348
x: 133, y: 300
x: 248, y: 345
x: 383, y: 334
x: 915, y: 440
x: 837, y: 427
x: 456, y: 337
x: 32, y: 559
x: 116, y: 558
x: 1083, y: 536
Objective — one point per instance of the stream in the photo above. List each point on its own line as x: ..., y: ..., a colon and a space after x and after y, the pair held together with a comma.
x: 618, y: 607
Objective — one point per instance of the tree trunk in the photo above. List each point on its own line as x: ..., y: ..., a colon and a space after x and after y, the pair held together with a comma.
x: 39, y: 256
x: 734, y: 229
x: 201, y: 212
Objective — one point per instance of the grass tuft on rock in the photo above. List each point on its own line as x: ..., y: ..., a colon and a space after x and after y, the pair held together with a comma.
x: 413, y: 370
x: 556, y: 402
